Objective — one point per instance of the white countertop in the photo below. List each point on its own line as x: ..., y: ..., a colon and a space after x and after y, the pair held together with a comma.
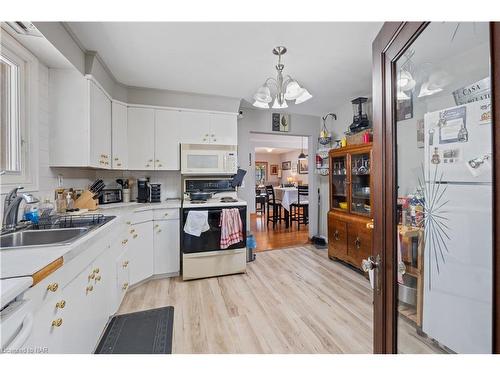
x: 18, y: 262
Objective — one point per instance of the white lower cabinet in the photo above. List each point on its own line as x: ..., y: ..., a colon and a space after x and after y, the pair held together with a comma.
x: 141, y: 252
x: 166, y: 246
x: 77, y: 297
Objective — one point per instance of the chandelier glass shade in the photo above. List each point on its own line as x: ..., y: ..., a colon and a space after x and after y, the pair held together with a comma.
x: 285, y: 88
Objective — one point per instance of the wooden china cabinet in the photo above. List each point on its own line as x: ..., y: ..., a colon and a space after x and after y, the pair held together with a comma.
x: 350, y: 220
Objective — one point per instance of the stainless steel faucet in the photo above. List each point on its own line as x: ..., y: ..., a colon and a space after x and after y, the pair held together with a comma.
x: 11, y: 207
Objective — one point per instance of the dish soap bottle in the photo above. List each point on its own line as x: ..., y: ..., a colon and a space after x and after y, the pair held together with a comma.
x: 70, y: 203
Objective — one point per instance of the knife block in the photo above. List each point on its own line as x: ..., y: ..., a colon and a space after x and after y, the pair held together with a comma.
x: 86, y: 200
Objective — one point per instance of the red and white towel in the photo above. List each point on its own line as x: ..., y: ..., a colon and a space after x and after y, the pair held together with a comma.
x: 231, y: 227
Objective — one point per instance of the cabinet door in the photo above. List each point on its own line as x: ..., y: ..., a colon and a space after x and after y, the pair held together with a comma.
x: 195, y: 127
x: 141, y: 252
x: 100, y: 128
x: 119, y: 144
x: 122, y: 277
x: 77, y: 296
x: 223, y: 129
x: 167, y: 139
x: 359, y: 242
x: 337, y: 238
x: 45, y: 335
x: 141, y: 129
x: 166, y: 246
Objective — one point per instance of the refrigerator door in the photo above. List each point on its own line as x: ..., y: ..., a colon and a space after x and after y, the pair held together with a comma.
x: 458, y: 143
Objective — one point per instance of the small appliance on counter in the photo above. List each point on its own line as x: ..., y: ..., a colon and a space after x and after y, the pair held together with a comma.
x: 155, y: 192
x: 111, y: 196
x: 143, y: 190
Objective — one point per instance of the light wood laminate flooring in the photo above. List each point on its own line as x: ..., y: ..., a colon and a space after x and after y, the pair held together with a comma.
x: 291, y: 301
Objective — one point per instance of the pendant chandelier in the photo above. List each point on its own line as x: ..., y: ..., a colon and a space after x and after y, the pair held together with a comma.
x: 286, y: 88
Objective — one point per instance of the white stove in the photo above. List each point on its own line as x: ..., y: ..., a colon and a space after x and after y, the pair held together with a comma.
x: 202, y: 255
x: 223, y: 199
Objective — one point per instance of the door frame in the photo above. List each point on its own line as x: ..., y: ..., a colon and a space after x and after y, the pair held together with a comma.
x: 390, y: 43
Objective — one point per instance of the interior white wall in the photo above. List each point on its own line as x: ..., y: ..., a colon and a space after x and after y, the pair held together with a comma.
x: 293, y: 157
x: 270, y: 159
x: 260, y: 121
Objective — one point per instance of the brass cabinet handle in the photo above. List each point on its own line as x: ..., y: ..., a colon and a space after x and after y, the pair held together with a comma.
x: 157, y: 225
x: 124, y: 242
x: 52, y: 287
x: 125, y: 286
x: 357, y: 242
x: 159, y: 165
x: 61, y: 304
x: 89, y: 289
x: 166, y: 213
x: 150, y: 160
x: 96, y: 270
x: 336, y: 235
x: 135, y: 235
x: 98, y: 278
x: 215, y: 140
x: 57, y: 322
x: 370, y: 225
x: 132, y: 231
x: 91, y: 276
x: 147, y: 165
x: 157, y: 160
x: 119, y: 164
x: 159, y: 230
x: 128, y: 222
x: 125, y: 264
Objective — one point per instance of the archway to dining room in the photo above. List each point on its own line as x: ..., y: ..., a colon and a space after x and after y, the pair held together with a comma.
x: 281, y: 214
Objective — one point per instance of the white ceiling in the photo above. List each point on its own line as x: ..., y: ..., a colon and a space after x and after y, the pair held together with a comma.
x: 332, y: 60
x: 275, y: 151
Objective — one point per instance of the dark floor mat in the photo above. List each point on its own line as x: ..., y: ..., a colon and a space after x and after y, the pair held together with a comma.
x: 143, y: 332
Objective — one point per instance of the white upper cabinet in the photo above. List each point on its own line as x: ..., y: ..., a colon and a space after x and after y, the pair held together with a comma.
x: 195, y: 127
x: 119, y: 144
x: 168, y: 127
x: 100, y: 128
x: 80, y: 126
x: 141, y: 138
x: 223, y: 129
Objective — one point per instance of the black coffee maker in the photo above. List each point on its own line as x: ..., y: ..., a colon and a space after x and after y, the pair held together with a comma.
x: 143, y: 190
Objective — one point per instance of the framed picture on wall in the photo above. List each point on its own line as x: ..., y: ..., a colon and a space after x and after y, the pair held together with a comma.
x: 303, y: 166
x: 280, y: 122
x: 286, y: 165
x: 273, y: 169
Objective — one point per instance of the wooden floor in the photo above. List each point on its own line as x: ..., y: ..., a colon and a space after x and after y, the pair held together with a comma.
x: 290, y: 301
x: 278, y: 238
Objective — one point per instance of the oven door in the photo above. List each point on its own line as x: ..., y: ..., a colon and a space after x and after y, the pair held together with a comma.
x: 210, y: 240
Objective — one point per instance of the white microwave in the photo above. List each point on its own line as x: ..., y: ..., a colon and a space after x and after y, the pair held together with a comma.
x: 207, y: 159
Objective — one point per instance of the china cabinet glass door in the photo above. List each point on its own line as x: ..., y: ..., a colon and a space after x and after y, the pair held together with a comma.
x: 360, y: 184
x: 339, y: 183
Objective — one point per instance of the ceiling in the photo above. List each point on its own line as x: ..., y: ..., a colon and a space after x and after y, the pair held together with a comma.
x: 332, y: 60
x: 278, y: 143
x: 274, y: 151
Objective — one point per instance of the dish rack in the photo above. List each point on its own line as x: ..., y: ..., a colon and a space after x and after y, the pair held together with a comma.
x: 48, y: 221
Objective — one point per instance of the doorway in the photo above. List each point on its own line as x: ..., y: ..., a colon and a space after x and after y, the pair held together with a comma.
x: 281, y: 215
x: 435, y: 254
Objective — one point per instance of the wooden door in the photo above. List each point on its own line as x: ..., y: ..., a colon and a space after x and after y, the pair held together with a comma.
x: 420, y: 81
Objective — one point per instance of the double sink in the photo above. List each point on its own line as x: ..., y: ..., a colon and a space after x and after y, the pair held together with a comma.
x: 52, y: 236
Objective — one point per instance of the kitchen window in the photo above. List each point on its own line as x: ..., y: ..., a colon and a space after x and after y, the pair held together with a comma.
x: 18, y: 115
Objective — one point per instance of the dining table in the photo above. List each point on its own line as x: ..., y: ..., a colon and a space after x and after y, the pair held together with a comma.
x: 287, y: 196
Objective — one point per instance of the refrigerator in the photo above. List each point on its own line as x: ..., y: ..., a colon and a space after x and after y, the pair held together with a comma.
x: 457, y: 292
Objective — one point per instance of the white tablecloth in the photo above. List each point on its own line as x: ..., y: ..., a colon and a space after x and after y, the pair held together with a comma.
x: 287, y: 195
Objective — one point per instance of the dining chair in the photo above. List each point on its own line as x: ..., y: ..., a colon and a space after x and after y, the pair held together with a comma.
x: 299, y: 211
x: 260, y: 202
x: 275, y: 205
